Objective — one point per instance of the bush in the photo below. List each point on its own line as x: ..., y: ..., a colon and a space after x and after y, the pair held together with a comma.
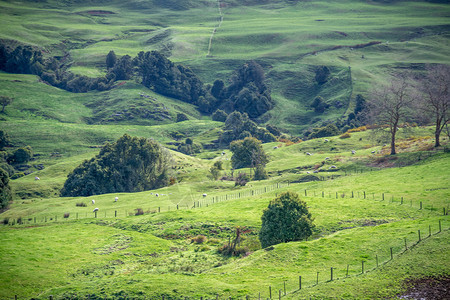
x: 219, y: 115
x: 345, y: 136
x: 358, y: 129
x: 199, y: 239
x: 181, y: 117
x: 81, y: 204
x: 5, y: 189
x: 139, y: 212
x: 241, y: 179
x: 22, y: 155
x: 286, y: 219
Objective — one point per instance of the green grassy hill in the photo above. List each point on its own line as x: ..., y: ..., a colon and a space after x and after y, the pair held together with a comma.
x: 145, y: 246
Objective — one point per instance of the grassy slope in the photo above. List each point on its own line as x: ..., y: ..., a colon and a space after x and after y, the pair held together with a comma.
x: 280, y: 36
x: 189, y: 269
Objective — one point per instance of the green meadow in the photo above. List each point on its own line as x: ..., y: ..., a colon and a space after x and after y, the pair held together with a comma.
x: 380, y: 220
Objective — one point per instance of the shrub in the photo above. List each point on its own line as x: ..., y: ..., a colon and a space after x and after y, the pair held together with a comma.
x: 139, y: 211
x: 181, y: 117
x: 22, y: 155
x: 172, y: 180
x: 358, y: 129
x: 219, y: 115
x: 199, y: 239
x: 6, y: 221
x: 345, y: 135
x: 5, y: 189
x: 81, y: 204
x: 228, y: 250
x: 241, y: 179
x: 285, y: 219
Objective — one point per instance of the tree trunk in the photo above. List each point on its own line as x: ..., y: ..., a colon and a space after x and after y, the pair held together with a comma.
x: 393, y: 133
x: 437, y: 133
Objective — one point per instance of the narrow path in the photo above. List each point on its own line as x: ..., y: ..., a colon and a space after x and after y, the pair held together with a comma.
x: 219, y: 3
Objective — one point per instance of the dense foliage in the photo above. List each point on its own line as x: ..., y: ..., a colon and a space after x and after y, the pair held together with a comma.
x: 286, y: 219
x: 247, y: 153
x: 131, y: 164
x: 5, y: 189
x: 238, y: 126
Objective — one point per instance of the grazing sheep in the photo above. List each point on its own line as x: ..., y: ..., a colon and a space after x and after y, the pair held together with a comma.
x: 115, y: 199
x: 308, y: 172
x: 316, y: 171
x: 95, y: 209
x: 373, y: 152
x: 37, y: 178
x: 326, y: 140
x: 151, y: 193
x: 93, y: 201
x: 156, y: 195
x: 327, y: 158
x: 204, y: 195
x: 223, y: 153
x: 275, y: 147
x: 307, y: 153
x: 333, y: 167
x: 353, y: 151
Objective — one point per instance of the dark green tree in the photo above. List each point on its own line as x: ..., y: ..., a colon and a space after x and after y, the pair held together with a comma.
x: 5, y: 189
x: 219, y: 115
x: 111, y: 59
x: 247, y: 153
x: 4, y: 139
x: 322, y: 74
x: 131, y: 164
x: 285, y: 219
x: 22, y: 155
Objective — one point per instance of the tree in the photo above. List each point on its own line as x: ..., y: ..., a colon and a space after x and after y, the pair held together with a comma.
x: 131, y: 164
x: 219, y: 115
x: 22, y: 155
x: 391, y: 104
x: 215, y: 169
x: 4, y: 139
x: 285, y: 219
x: 319, y: 105
x: 436, y: 101
x: 245, y: 151
x: 5, y: 101
x: 111, y: 59
x: 322, y: 74
x: 5, y: 189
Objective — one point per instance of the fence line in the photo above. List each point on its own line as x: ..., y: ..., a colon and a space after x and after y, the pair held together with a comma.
x: 116, y: 213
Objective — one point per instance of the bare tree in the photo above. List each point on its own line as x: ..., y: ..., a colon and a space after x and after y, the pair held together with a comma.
x: 436, y: 101
x: 392, y: 104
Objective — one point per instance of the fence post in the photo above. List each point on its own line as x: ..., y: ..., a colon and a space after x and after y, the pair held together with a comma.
x: 402, y: 201
x: 347, y: 271
x: 331, y: 273
x: 429, y: 230
x: 362, y: 267
x: 444, y: 211
x: 383, y: 196
x: 177, y: 205
x: 377, y: 259
x: 115, y: 214
x: 420, y: 205
x: 317, y: 280
x: 352, y: 194
x: 159, y: 208
x: 279, y: 294
x: 392, y: 256
x: 336, y: 195
x: 419, y: 235
x: 270, y: 292
x: 299, y: 282
x: 285, y: 287
x: 305, y: 193
x: 439, y: 225
x: 406, y: 245
x: 322, y: 194
x: 95, y: 214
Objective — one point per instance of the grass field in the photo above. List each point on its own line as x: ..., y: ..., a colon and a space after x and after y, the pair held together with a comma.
x: 367, y: 206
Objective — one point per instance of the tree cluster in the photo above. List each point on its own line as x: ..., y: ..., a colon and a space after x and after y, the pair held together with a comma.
x: 248, y: 153
x: 131, y: 164
x: 238, y: 126
x: 5, y: 189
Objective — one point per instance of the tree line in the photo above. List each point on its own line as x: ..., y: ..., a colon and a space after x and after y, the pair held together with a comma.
x: 247, y: 92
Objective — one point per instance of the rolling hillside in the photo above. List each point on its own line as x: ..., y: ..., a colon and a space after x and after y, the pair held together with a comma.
x: 381, y: 221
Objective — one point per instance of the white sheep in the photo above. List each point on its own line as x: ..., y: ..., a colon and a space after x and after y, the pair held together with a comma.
x: 308, y: 172
x: 326, y: 140
x: 37, y: 178
x: 373, y: 152
x: 333, y: 167
x: 307, y: 153
x: 95, y: 209
x: 327, y: 158
x: 353, y: 151
x: 93, y: 201
x: 115, y: 199
x: 204, y: 195
x: 156, y: 195
x: 316, y: 171
x: 275, y: 147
